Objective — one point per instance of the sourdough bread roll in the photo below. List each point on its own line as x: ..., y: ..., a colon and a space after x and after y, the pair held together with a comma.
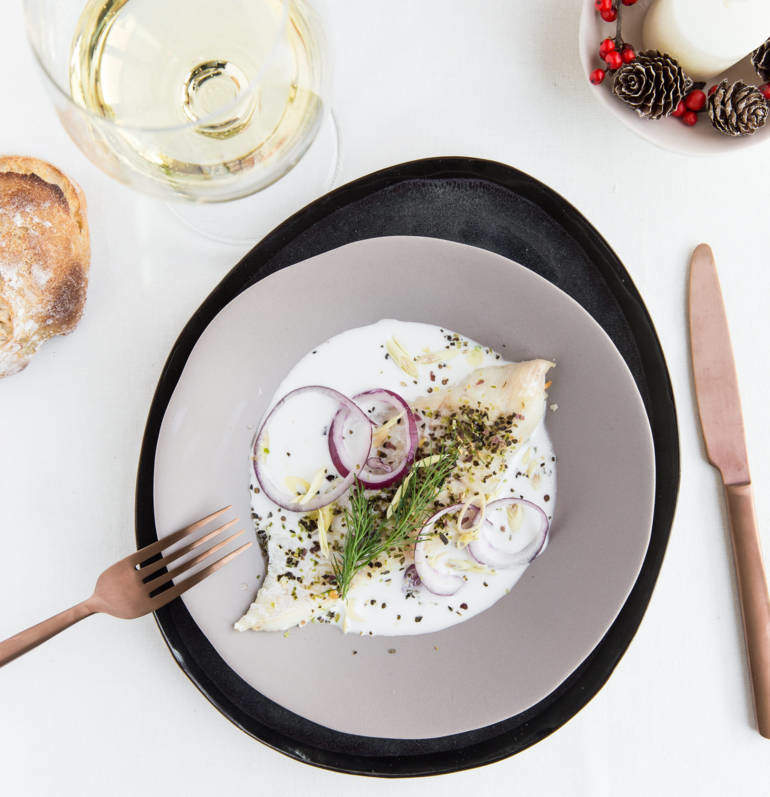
x: 44, y: 258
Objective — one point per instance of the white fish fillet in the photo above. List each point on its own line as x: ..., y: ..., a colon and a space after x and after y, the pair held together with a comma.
x: 500, y: 389
x: 307, y: 592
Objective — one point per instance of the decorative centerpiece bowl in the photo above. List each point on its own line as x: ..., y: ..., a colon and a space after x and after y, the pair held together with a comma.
x: 669, y: 133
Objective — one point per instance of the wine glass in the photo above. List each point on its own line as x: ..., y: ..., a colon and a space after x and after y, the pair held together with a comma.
x: 195, y: 101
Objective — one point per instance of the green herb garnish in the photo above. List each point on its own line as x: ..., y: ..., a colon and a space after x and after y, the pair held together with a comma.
x: 365, y: 539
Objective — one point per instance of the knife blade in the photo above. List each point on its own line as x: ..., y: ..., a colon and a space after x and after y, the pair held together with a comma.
x: 716, y: 384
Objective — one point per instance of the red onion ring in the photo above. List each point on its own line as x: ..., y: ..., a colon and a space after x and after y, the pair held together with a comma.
x: 471, y: 515
x: 411, y: 580
x: 375, y: 474
x: 436, y: 582
x: 344, y: 422
x: 485, y: 554
x: 376, y: 465
x: 354, y: 417
x: 484, y: 551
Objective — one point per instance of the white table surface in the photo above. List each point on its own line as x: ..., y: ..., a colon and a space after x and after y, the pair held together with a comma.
x: 103, y: 709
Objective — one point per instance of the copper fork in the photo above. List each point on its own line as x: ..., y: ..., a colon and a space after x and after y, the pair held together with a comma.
x: 130, y: 587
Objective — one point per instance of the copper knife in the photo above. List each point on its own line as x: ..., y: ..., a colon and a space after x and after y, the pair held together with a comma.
x: 719, y: 406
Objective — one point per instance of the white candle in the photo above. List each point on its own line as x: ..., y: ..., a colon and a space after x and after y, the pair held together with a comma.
x: 706, y: 36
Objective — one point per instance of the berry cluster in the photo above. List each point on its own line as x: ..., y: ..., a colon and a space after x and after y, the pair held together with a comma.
x: 695, y: 102
x: 613, y: 51
x: 607, y: 8
x: 613, y: 57
x: 688, y: 109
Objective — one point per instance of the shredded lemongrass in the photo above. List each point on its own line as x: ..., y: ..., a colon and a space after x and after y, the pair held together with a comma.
x: 464, y: 511
x: 313, y: 487
x: 324, y: 520
x: 401, y: 357
x: 381, y: 432
x: 397, y: 496
x: 464, y: 565
x: 465, y: 536
x: 440, y: 356
x: 297, y: 484
x: 533, y: 468
x: 515, y: 516
x: 431, y: 460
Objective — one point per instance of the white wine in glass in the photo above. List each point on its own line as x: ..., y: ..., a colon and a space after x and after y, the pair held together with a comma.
x: 188, y: 99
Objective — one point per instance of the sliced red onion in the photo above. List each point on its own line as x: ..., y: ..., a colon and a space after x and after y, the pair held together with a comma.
x: 411, y: 579
x: 435, y: 581
x: 356, y: 423
x: 483, y: 552
x: 471, y: 516
x: 345, y: 426
x: 376, y: 465
x: 378, y: 472
x: 486, y: 552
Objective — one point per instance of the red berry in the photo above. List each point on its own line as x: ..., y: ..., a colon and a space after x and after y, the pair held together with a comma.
x: 597, y: 76
x: 614, y: 59
x: 765, y: 89
x: 628, y: 54
x: 690, y: 118
x: 609, y: 15
x: 628, y: 2
x: 712, y: 90
x: 607, y: 46
x: 679, y: 110
x: 603, y: 5
x: 695, y: 100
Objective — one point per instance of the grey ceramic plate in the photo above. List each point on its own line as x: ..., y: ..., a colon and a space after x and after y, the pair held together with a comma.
x: 504, y: 661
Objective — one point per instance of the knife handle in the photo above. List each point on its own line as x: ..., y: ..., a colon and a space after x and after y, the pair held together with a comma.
x: 752, y: 590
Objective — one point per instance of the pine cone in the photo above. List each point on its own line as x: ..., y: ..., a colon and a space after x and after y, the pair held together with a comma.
x: 736, y: 109
x: 653, y: 84
x: 760, y: 58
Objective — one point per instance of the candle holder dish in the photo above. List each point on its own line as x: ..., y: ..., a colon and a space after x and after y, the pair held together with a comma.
x: 669, y: 133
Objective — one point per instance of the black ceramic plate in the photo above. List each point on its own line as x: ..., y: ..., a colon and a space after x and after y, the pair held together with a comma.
x: 491, y: 206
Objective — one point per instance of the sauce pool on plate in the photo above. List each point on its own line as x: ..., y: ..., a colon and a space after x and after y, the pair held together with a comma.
x: 477, y: 552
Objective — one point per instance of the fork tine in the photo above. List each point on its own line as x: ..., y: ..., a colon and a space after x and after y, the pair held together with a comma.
x: 174, y: 592
x: 155, y: 548
x: 159, y: 581
x: 153, y: 567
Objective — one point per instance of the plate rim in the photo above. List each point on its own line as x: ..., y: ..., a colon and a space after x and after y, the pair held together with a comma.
x: 523, y: 730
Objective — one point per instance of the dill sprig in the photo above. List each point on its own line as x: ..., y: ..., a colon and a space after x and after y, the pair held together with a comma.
x: 361, y: 543
x: 365, y: 540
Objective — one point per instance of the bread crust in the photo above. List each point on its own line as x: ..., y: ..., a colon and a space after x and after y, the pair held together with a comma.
x: 44, y: 257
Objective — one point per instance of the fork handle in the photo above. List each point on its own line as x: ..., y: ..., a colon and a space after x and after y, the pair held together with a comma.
x: 752, y: 590
x: 26, y: 640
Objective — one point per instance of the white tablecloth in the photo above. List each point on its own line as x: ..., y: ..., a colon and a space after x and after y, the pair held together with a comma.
x: 103, y: 709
